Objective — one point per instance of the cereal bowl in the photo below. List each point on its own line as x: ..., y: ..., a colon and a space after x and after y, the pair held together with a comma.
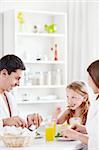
x: 16, y: 137
x: 16, y: 141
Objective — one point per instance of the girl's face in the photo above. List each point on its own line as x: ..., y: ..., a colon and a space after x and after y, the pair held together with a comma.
x: 74, y: 99
x: 92, y: 84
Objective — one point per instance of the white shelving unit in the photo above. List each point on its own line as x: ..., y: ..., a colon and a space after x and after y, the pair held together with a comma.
x: 42, y: 101
x: 45, y: 77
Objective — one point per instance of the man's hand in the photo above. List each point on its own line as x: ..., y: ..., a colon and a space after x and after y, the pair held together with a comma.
x: 14, y: 121
x: 35, y: 119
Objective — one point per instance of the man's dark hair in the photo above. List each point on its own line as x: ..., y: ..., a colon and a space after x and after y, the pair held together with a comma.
x: 11, y: 63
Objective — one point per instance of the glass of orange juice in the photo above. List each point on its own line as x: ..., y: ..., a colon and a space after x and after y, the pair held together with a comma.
x: 54, y: 126
x: 49, y: 132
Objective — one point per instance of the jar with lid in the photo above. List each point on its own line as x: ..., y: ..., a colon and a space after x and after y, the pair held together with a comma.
x: 49, y: 77
x: 37, y: 78
x: 41, y: 78
x: 58, y: 77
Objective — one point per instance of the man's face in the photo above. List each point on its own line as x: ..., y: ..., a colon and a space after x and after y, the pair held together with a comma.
x: 12, y: 80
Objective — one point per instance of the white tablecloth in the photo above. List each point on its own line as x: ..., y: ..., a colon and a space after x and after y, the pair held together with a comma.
x: 40, y: 144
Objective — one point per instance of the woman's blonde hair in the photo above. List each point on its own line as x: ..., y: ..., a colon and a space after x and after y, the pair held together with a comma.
x: 80, y: 88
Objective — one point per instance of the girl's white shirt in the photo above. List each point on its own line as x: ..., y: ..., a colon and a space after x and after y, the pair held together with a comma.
x: 4, y: 112
x: 92, y: 125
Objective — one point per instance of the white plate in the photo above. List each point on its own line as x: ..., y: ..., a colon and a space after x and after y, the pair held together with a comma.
x: 38, y: 136
x: 63, y: 139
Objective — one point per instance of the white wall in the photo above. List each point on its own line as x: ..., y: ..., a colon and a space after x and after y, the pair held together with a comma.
x: 0, y: 35
x: 34, y: 5
x: 83, y: 29
x: 93, y: 30
x: 82, y: 33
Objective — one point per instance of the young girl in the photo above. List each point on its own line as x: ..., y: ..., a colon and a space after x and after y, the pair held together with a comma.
x: 78, y: 104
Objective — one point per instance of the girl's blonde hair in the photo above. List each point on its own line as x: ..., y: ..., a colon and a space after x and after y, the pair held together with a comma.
x: 80, y: 88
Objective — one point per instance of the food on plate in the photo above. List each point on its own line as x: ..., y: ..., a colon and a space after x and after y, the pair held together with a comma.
x: 16, y: 137
x: 58, y: 135
x: 38, y: 135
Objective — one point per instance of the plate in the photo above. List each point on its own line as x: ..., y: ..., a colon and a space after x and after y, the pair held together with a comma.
x: 64, y: 139
x: 38, y: 135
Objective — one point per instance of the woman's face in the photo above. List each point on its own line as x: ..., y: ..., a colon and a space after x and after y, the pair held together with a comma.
x: 74, y: 99
x: 92, y: 84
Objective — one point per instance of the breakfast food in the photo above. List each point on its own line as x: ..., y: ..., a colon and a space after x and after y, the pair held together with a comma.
x: 16, y: 137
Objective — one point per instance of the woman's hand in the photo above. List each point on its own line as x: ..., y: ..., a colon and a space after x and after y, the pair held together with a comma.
x: 75, y: 132
x: 79, y: 128
x: 69, y: 133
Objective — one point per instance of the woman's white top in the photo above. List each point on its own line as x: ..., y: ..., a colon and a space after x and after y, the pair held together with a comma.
x: 92, y: 126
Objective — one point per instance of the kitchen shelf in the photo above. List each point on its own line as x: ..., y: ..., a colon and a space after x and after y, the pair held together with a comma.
x: 41, y: 86
x: 41, y: 34
x: 41, y: 101
x: 44, y: 53
x: 44, y: 62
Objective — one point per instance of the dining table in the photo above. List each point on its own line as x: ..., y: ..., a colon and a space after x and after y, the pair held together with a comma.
x: 41, y: 144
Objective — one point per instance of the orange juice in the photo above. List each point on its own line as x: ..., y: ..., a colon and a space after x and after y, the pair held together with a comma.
x: 49, y: 133
x: 54, y: 128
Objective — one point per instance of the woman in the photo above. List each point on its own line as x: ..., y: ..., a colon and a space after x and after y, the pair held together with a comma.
x: 92, y: 127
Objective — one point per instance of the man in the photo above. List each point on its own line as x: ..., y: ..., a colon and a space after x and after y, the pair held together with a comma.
x: 11, y: 68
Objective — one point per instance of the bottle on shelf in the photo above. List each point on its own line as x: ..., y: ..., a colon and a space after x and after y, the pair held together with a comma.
x: 21, y: 21
x: 49, y: 78
x: 45, y: 58
x: 25, y: 78
x: 58, y: 77
x: 51, y: 54
x: 37, y: 77
x: 38, y: 55
x: 35, y: 29
x: 41, y: 78
x: 55, y: 53
x: 25, y: 97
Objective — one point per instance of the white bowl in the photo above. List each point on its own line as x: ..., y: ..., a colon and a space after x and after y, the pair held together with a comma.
x: 16, y: 141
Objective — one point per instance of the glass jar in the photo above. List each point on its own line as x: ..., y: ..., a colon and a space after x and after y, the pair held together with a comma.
x: 49, y: 77
x: 58, y: 77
